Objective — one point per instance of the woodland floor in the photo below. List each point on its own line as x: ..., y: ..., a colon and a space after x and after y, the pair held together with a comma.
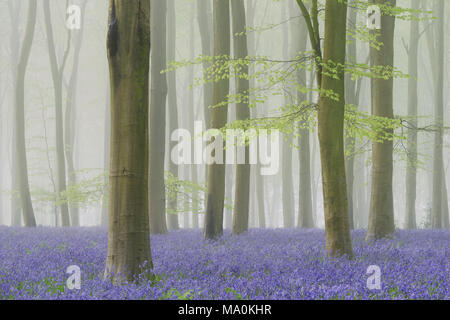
x: 262, y: 264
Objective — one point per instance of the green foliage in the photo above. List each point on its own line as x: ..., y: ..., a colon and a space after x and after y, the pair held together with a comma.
x: 189, y: 196
x: 89, y: 190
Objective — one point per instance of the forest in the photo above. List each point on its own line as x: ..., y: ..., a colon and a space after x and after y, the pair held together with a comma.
x: 224, y: 150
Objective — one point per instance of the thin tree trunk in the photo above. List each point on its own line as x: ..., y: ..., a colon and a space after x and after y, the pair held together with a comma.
x: 350, y: 97
x: 128, y: 54
x: 287, y: 184
x: 22, y: 167
x: 57, y: 77
x: 331, y: 134
x: 242, y: 184
x: 299, y: 39
x: 70, y: 119
x: 381, y: 216
x: 157, y: 209
x: 172, y: 219
x: 205, y: 27
x: 216, y: 172
x: 16, y: 210
x: 438, y: 169
x: 411, y: 171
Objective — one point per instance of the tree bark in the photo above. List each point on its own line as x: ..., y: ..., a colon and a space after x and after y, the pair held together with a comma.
x: 411, y: 168
x: 157, y: 209
x: 242, y: 185
x: 128, y: 47
x: 213, y: 227
x: 331, y: 134
x: 381, y: 216
x: 106, y: 155
x: 22, y: 167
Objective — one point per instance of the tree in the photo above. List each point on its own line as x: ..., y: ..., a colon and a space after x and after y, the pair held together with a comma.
x: 411, y: 171
x: 381, y: 215
x: 16, y: 210
x: 69, y: 118
x: 287, y: 184
x: 22, y: 167
x: 242, y: 184
x: 57, y: 77
x: 128, y: 46
x: 331, y: 111
x: 437, y: 57
x: 205, y: 26
x: 299, y: 39
x: 350, y: 98
x: 158, y: 99
x: 331, y: 133
x: 172, y: 219
x: 216, y: 172
x: 258, y: 180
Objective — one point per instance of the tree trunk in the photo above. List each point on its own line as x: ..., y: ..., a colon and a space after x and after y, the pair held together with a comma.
x: 299, y: 35
x: 128, y: 47
x: 216, y: 172
x: 205, y: 27
x: 445, y: 223
x: 22, y: 167
x: 70, y: 119
x: 57, y: 77
x: 157, y: 209
x: 438, y: 169
x: 411, y: 171
x: 331, y: 134
x: 287, y: 184
x: 242, y: 184
x: 106, y: 155
x: 16, y: 210
x: 350, y: 97
x: 172, y: 219
x: 381, y: 216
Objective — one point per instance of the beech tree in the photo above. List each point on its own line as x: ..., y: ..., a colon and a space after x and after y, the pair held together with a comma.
x: 215, y: 183
x: 436, y: 49
x: 411, y: 166
x: 331, y: 113
x: 70, y: 117
x: 57, y: 70
x: 22, y: 167
x: 128, y: 46
x: 158, y: 99
x: 381, y: 215
x: 172, y: 219
x: 242, y: 185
